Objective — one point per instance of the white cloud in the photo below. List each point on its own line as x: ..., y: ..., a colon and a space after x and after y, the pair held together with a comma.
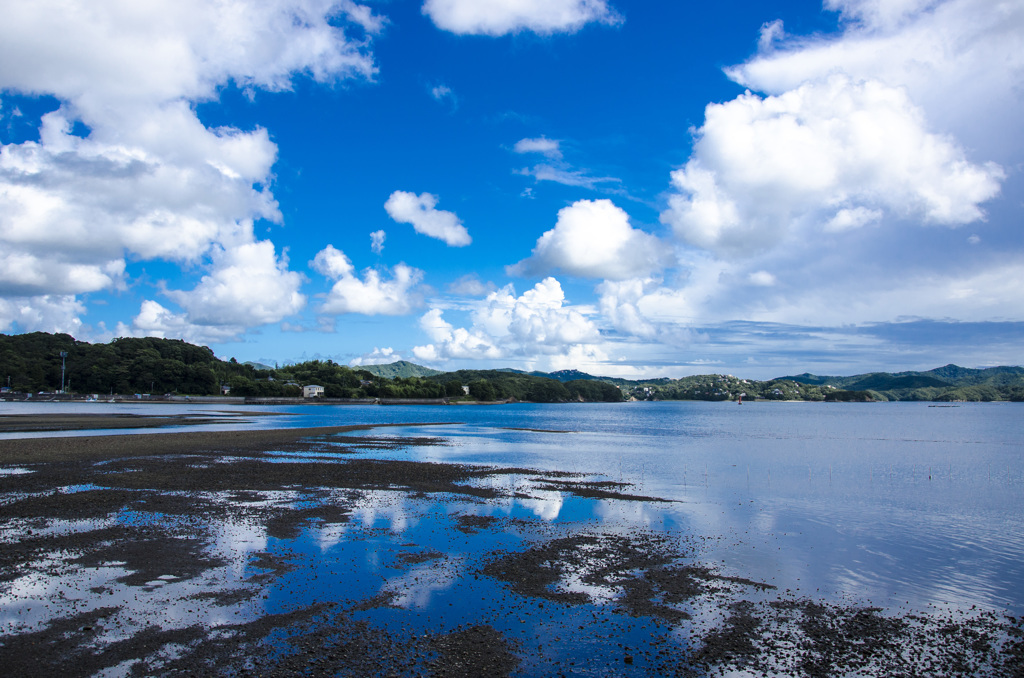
x: 149, y: 180
x: 500, y: 17
x: 762, y: 168
x: 379, y: 356
x: 762, y: 279
x: 969, y: 296
x: 248, y: 286
x: 536, y: 325
x: 418, y: 210
x: 646, y: 308
x: 154, y: 320
x: 565, y: 175
x: 961, y: 61
x: 372, y: 295
x: 442, y: 93
x: 771, y: 33
x: 450, y: 342
x: 363, y: 16
x: 104, y: 54
x: 846, y: 219
x: 593, y: 239
x: 470, y: 285
x: 46, y: 313
x: 549, y: 148
x: 377, y: 241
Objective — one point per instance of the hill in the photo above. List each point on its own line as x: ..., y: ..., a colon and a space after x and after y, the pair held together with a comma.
x: 401, y: 368
x: 32, y: 362
x: 950, y: 382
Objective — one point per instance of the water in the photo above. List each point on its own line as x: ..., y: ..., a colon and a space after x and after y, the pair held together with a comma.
x: 901, y: 505
x: 897, y: 503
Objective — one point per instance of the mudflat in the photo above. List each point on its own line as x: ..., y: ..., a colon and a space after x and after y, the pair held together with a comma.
x: 38, y: 422
x: 296, y: 552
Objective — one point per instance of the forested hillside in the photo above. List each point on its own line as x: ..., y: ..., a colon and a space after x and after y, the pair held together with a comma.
x: 32, y: 362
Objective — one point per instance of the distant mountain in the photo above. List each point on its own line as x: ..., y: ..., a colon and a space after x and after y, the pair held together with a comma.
x: 567, y: 375
x: 950, y: 382
x: 259, y: 366
x: 401, y: 368
x: 892, y: 382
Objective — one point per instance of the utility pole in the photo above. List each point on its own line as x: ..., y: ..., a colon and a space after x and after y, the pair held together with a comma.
x: 63, y: 356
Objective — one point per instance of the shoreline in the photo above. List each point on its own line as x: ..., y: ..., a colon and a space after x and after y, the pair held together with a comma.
x: 102, y: 447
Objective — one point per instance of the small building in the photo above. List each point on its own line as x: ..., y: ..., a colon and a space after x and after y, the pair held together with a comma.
x: 312, y: 391
x: 225, y: 389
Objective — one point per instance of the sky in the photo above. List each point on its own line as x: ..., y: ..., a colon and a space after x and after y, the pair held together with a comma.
x: 625, y: 187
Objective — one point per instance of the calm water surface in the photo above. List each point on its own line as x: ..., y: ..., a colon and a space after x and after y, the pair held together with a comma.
x: 902, y: 505
x: 898, y: 504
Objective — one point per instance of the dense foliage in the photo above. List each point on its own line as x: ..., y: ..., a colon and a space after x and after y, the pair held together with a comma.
x: 32, y: 362
x: 510, y: 385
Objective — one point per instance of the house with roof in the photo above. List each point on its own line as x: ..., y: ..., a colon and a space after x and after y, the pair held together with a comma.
x: 312, y: 391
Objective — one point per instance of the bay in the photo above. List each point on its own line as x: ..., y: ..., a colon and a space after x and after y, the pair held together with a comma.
x: 905, y: 506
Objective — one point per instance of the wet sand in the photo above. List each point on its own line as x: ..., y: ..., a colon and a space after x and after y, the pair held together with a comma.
x: 39, y: 422
x: 132, y: 516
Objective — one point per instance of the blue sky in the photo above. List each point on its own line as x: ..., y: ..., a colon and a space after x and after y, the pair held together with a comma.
x: 626, y: 188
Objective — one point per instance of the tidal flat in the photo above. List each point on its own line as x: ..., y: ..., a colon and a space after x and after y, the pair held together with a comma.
x: 322, y: 551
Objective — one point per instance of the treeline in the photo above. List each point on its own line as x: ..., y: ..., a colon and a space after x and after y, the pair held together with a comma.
x: 714, y: 387
x: 944, y: 384
x: 32, y: 362
x: 505, y: 385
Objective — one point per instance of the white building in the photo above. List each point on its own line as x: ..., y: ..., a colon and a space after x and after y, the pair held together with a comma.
x: 312, y: 391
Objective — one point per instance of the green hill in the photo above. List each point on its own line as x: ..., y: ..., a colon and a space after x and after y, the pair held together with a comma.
x: 401, y: 368
x: 950, y: 382
x: 32, y: 362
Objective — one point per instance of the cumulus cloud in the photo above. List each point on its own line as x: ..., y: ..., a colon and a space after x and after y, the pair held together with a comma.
x: 377, y: 241
x: 45, y: 313
x: 379, y: 356
x: 155, y: 320
x: 537, y: 323
x: 249, y: 285
x: 147, y: 179
x: 418, y: 210
x: 103, y: 55
x: 371, y: 295
x: 833, y: 153
x: 547, y: 147
x: 645, y: 307
x: 593, y: 239
x: 961, y: 61
x: 500, y: 17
